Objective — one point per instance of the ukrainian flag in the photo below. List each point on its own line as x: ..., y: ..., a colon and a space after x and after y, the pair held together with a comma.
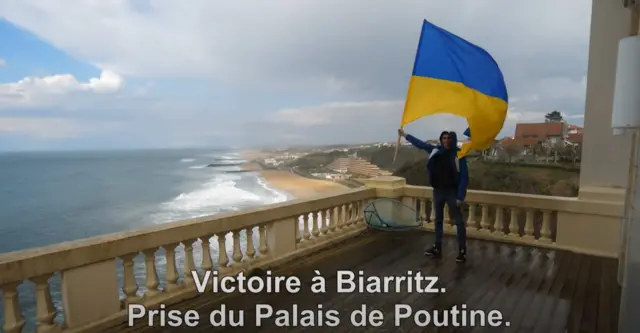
x: 452, y: 75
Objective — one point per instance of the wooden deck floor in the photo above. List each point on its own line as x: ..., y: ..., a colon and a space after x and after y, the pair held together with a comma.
x: 536, y: 290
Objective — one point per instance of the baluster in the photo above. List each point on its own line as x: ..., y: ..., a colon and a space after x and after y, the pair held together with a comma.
x: 207, y: 262
x: 251, y: 251
x: 315, y: 219
x: 423, y: 211
x: 297, y: 230
x: 326, y: 220
x: 349, y: 215
x: 333, y: 223
x: 498, y: 221
x: 13, y: 320
x: 339, y: 217
x: 528, y: 225
x: 237, y: 251
x: 171, y: 274
x: 514, y: 228
x: 471, y: 219
x: 545, y: 231
x: 223, y: 258
x: 189, y: 264
x: 263, y: 240
x: 45, y: 311
x: 130, y: 285
x: 151, y: 276
x: 354, y: 213
x: 363, y: 204
x: 485, y: 225
x: 305, y: 227
x: 345, y: 216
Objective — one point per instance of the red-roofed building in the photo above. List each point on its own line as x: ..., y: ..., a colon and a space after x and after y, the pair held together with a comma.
x: 528, y: 135
x: 574, y: 134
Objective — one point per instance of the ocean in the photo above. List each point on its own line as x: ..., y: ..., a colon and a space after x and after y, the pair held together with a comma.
x: 51, y: 197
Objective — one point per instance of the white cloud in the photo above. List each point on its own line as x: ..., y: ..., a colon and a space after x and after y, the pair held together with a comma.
x: 42, y: 91
x: 359, y: 50
x: 325, y: 44
x: 3, y: 62
x: 330, y: 113
x: 366, y: 121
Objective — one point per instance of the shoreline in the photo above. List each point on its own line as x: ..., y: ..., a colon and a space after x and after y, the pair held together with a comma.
x: 289, y: 183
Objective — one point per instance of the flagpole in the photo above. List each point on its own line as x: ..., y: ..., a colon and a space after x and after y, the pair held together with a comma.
x: 397, y: 147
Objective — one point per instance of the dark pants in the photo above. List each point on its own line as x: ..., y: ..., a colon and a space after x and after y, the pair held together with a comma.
x: 448, y: 197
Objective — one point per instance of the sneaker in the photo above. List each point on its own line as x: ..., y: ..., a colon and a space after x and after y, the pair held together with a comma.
x: 462, y: 256
x: 434, y: 251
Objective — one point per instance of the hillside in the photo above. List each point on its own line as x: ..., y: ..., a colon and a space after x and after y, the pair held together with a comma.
x: 383, y: 156
x: 316, y: 160
x: 503, y: 177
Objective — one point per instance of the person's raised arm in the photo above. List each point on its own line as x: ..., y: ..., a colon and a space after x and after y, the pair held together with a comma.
x: 416, y: 142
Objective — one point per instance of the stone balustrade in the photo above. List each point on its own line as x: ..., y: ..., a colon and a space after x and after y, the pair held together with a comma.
x: 154, y: 265
x: 66, y: 282
x: 590, y: 227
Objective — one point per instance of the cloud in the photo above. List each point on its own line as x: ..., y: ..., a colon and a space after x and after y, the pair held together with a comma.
x: 366, y: 122
x: 42, y: 91
x: 3, y: 62
x: 355, y: 46
x: 325, y: 51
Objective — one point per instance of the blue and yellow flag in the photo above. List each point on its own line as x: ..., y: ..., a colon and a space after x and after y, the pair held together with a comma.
x: 452, y: 75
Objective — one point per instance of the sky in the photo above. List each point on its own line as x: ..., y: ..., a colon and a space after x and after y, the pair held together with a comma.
x: 116, y: 74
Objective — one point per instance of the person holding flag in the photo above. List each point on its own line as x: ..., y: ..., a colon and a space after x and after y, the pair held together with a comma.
x: 451, y: 75
x: 449, y: 178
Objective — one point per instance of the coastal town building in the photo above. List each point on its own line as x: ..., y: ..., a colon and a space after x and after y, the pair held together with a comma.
x: 357, y: 167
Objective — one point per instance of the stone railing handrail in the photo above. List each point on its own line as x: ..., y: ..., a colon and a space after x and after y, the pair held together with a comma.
x: 21, y: 265
x: 541, y: 202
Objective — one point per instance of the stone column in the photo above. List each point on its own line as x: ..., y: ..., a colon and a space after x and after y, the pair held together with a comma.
x: 605, y: 158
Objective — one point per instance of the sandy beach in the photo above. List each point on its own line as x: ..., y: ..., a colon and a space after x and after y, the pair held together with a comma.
x: 289, y: 182
x: 298, y: 186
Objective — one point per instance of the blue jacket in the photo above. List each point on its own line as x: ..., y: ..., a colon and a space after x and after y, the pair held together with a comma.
x: 460, y: 164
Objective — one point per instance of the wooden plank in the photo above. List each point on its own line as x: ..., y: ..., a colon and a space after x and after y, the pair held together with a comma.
x: 604, y: 324
x: 550, y: 305
x: 536, y: 308
x: 479, y: 298
x: 479, y: 279
x: 535, y: 289
x: 540, y: 283
x: 380, y: 252
x: 615, y: 300
x: 492, y: 299
x: 578, y: 298
x: 459, y: 274
x: 589, y: 315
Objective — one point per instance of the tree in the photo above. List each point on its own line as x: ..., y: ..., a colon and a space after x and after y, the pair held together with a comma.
x: 553, y: 117
x: 538, y: 150
x: 557, y: 149
x: 572, y: 153
x: 512, y: 149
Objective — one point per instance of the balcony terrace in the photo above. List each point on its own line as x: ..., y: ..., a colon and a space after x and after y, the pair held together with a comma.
x: 547, y: 263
